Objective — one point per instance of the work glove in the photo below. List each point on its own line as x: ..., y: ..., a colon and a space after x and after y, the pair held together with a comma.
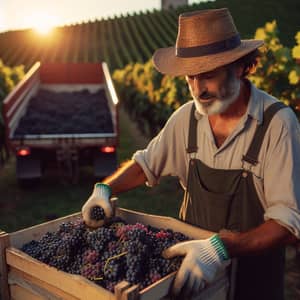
x: 97, y: 209
x: 204, y: 259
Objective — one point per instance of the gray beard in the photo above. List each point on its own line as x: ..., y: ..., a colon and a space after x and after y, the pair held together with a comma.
x: 219, y: 106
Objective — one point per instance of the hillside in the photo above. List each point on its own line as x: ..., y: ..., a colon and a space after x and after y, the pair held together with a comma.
x: 134, y: 37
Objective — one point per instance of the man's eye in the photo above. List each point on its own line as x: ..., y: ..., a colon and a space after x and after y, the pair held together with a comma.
x: 209, y: 76
x: 191, y: 77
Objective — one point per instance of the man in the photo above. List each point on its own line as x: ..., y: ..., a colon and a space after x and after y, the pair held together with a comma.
x: 235, y: 150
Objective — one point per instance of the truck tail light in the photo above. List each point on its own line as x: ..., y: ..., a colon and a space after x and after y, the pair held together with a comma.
x: 24, y: 151
x: 108, y: 149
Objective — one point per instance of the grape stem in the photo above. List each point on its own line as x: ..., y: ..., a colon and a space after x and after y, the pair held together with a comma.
x: 97, y: 278
x: 113, y: 257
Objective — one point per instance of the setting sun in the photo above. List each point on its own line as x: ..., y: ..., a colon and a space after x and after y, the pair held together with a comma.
x: 42, y: 22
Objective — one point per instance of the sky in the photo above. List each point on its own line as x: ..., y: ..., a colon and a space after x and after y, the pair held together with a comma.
x: 19, y: 14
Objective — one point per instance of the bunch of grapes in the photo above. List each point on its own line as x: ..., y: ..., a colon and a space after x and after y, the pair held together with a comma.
x: 51, y: 112
x: 99, y: 238
x: 110, y: 254
x: 97, y: 213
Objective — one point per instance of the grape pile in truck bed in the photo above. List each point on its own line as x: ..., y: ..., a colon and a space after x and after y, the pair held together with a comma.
x: 77, y: 112
x: 110, y: 254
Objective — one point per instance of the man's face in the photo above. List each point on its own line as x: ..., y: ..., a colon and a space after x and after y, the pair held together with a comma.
x: 214, y: 91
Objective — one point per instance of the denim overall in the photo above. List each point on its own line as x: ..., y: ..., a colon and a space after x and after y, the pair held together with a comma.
x: 218, y: 199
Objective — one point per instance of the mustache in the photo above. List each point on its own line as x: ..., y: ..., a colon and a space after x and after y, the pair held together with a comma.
x: 206, y: 95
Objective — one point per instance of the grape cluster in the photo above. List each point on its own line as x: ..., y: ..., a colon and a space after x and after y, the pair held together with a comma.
x: 66, y: 113
x: 97, y: 213
x: 107, y: 255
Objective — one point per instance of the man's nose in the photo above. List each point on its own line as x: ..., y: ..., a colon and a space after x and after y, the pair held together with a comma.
x: 198, y: 85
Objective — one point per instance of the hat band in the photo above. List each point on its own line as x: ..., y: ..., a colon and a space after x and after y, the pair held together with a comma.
x: 213, y: 48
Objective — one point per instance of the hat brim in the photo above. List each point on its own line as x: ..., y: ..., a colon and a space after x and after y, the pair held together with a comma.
x: 167, y: 62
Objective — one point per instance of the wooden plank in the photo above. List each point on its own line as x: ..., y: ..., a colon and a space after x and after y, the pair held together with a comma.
x: 75, y: 285
x: 120, y: 288
x: 131, y: 293
x: 4, y: 243
x: 159, y: 289
x: 37, y: 286
x: 19, y: 238
x: 19, y: 293
x: 114, y: 204
x: 164, y: 222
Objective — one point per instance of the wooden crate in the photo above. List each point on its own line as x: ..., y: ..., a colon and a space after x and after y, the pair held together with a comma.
x: 25, y: 278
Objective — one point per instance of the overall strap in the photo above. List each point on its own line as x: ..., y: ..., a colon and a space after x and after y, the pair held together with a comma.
x: 192, y: 139
x: 254, y: 148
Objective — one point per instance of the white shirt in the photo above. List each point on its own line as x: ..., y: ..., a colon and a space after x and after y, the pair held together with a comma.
x: 276, y: 176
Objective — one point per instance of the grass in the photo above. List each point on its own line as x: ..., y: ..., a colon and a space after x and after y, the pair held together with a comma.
x: 163, y: 199
x: 51, y: 198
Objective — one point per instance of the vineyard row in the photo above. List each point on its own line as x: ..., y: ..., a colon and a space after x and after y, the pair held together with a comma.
x: 117, y: 41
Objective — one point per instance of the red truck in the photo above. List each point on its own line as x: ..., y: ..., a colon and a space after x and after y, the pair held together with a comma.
x: 63, y: 115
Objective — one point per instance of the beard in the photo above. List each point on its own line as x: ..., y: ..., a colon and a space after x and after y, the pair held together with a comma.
x: 223, y: 99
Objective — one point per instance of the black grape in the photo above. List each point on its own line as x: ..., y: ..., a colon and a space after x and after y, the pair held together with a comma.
x: 110, y: 254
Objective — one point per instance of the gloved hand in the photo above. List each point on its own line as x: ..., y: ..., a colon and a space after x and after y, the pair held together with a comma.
x: 203, y: 260
x: 100, y: 197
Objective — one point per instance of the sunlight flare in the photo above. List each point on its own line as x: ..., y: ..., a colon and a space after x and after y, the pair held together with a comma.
x: 42, y: 22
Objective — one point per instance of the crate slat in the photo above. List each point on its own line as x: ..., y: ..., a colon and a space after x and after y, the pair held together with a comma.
x: 131, y: 293
x: 19, y: 293
x: 36, y: 286
x: 158, y: 289
x: 164, y: 222
x: 68, y: 283
x: 120, y: 288
x: 4, y: 243
x: 19, y: 238
x: 162, y: 287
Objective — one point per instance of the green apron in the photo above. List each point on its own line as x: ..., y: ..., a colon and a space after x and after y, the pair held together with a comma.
x: 218, y: 199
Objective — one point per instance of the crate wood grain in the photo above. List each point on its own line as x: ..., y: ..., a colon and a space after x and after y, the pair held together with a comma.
x: 35, y: 286
x: 23, y: 277
x: 4, y: 243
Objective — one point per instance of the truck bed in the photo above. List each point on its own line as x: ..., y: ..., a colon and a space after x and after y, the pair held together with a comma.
x: 77, y: 112
x: 63, y: 115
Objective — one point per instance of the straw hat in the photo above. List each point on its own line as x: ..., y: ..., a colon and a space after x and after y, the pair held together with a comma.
x: 206, y: 40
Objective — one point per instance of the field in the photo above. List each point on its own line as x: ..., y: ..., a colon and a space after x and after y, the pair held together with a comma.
x: 21, y: 208
x: 133, y: 38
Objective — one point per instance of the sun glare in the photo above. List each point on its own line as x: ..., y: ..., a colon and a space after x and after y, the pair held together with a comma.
x: 43, y: 23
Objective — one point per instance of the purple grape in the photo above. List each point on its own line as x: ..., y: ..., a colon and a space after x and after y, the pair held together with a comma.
x: 97, y: 213
x: 114, y: 252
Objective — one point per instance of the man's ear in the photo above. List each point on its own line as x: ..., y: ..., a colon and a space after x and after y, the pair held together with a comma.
x: 239, y: 70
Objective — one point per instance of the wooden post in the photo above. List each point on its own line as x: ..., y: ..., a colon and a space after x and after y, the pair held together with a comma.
x: 4, y: 243
x: 120, y: 288
x: 114, y: 204
x: 131, y: 293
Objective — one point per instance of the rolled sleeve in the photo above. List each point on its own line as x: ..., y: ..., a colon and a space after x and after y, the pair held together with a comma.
x: 166, y: 155
x: 282, y: 175
x: 140, y: 158
x: 285, y: 216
